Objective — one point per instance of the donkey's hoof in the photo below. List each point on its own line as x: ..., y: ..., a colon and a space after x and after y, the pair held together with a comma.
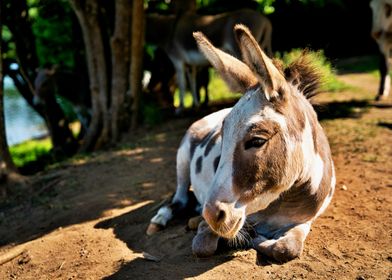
x: 153, y: 228
x: 194, y: 222
x: 205, y: 243
x: 381, y: 97
x: 202, y: 249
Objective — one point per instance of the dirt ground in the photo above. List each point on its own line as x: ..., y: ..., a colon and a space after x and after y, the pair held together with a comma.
x: 86, y: 218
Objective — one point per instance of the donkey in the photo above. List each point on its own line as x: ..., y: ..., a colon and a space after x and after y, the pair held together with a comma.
x: 382, y: 34
x: 262, y: 167
x: 182, y: 49
x: 50, y: 81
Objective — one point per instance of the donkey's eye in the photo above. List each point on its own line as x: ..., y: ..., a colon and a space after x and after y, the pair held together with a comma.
x: 255, y: 142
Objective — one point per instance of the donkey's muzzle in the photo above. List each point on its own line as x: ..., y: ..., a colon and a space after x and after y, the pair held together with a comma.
x: 223, y: 218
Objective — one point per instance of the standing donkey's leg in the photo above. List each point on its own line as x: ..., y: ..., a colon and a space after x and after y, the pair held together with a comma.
x: 193, y: 83
x: 287, y: 247
x: 385, y: 80
x: 180, y: 199
x: 181, y: 82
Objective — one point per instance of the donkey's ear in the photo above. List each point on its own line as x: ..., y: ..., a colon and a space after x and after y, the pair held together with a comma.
x: 257, y: 60
x: 236, y: 74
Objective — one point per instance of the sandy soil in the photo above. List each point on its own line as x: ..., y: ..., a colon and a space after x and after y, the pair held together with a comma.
x: 85, y: 219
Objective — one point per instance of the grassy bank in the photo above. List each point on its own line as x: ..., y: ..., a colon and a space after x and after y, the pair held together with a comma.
x: 30, y: 151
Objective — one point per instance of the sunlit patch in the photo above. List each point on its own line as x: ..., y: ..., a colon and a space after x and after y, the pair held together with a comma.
x: 156, y: 160
x: 148, y: 185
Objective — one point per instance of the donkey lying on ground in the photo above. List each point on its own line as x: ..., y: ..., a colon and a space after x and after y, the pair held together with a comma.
x: 265, y: 163
x: 382, y: 33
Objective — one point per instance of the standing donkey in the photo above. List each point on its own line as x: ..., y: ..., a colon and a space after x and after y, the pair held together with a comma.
x: 182, y: 50
x: 382, y: 34
x: 264, y: 164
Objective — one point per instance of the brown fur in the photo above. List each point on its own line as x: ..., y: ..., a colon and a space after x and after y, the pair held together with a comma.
x: 303, y: 74
x: 255, y: 172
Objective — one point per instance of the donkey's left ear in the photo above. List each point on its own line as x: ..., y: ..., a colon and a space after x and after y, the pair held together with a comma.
x: 234, y: 72
x: 258, y: 61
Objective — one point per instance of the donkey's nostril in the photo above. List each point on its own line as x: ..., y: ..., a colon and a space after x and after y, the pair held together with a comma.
x: 215, y: 213
x: 220, y: 216
x: 376, y: 34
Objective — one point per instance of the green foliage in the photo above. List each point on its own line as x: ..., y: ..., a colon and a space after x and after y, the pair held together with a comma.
x: 53, y: 29
x: 30, y: 151
x: 364, y: 64
x: 329, y: 81
x: 67, y: 108
x: 151, y: 114
x: 266, y: 6
x: 9, y: 49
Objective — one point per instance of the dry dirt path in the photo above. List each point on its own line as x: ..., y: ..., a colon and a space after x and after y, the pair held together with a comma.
x: 90, y: 223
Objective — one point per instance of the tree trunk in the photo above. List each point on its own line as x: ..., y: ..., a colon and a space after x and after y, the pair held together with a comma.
x: 17, y: 20
x: 136, y: 58
x: 6, y: 162
x: 87, y: 13
x: 120, y: 42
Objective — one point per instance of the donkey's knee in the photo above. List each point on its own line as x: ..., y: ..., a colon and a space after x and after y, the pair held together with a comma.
x: 205, y: 242
x: 281, y: 250
x: 287, y: 249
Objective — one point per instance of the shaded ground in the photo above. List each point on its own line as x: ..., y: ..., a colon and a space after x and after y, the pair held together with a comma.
x: 86, y: 218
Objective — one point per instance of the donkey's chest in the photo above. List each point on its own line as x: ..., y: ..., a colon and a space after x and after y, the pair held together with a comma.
x: 204, y: 164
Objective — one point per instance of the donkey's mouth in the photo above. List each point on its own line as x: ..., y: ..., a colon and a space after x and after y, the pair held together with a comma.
x: 229, y: 231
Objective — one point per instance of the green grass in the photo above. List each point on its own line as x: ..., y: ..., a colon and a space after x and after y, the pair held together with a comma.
x: 30, y: 151
x: 363, y: 64
x: 329, y: 80
x: 217, y: 91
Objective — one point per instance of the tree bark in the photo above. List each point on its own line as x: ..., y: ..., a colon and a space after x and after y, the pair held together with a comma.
x: 87, y: 13
x: 120, y: 42
x: 6, y: 162
x: 17, y: 20
x: 136, y: 58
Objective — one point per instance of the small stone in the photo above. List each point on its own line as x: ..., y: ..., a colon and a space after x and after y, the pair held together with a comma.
x: 344, y: 188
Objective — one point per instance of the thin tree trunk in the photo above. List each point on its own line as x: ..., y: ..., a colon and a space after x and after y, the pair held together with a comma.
x: 120, y: 64
x: 17, y: 20
x: 87, y: 14
x: 6, y: 162
x: 136, y: 58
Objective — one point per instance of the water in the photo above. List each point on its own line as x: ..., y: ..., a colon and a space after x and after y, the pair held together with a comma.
x: 21, y: 121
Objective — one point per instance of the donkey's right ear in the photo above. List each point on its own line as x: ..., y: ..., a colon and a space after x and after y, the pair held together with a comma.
x: 234, y: 72
x: 257, y: 60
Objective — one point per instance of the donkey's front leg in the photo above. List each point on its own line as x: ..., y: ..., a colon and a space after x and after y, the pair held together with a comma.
x: 287, y: 247
x: 181, y: 197
x: 205, y: 242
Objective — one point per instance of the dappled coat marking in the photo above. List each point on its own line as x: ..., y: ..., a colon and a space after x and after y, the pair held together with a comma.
x: 262, y: 166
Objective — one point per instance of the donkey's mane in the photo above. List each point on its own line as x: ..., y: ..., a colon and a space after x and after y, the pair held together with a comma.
x: 302, y: 73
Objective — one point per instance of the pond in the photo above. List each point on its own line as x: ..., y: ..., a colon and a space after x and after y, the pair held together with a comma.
x: 21, y: 121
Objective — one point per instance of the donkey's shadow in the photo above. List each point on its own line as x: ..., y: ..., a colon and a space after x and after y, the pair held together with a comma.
x: 169, y: 253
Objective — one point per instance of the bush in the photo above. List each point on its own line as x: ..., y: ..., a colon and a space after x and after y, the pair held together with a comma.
x: 30, y: 151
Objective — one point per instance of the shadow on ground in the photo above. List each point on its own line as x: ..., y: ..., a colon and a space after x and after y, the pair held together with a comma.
x: 170, y: 247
